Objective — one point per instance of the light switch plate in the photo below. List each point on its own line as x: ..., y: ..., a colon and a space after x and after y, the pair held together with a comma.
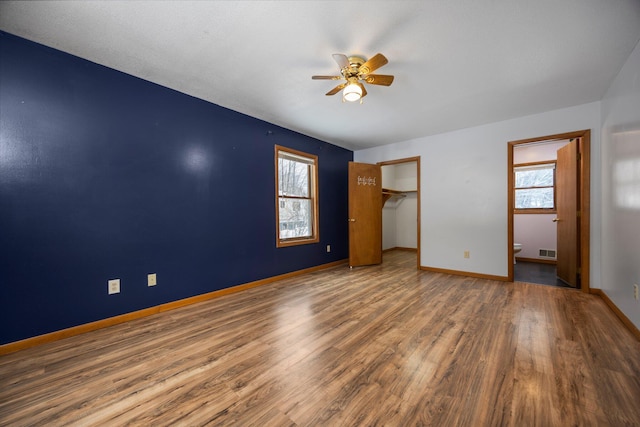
x: 152, y: 279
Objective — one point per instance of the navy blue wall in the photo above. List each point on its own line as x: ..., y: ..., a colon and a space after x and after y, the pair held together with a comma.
x: 104, y: 175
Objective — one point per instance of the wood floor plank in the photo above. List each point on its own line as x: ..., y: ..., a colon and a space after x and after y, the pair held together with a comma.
x: 381, y: 345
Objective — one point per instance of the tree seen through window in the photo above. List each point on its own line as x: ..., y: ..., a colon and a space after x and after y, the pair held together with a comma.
x: 535, y: 187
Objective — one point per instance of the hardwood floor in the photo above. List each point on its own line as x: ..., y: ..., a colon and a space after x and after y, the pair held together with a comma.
x: 383, y: 345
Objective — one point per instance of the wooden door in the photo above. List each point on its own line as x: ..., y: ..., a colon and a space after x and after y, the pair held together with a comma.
x: 365, y: 214
x: 567, y: 202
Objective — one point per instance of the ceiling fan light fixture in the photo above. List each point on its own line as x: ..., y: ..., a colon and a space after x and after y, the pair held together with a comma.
x: 355, y: 71
x: 352, y: 92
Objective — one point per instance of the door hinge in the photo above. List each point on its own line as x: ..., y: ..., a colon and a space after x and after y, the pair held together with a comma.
x: 578, y: 214
x: 579, y: 270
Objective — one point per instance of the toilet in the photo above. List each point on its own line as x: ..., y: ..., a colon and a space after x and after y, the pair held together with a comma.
x: 517, y: 247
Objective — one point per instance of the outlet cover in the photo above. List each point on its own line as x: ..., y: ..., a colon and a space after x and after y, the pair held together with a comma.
x: 466, y: 254
x: 328, y: 248
x: 114, y: 286
x: 152, y: 279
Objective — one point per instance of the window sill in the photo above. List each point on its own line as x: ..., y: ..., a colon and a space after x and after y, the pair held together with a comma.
x: 296, y: 242
x: 534, y: 211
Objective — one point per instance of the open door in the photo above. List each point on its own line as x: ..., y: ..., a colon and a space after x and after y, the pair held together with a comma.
x: 365, y: 214
x: 567, y: 201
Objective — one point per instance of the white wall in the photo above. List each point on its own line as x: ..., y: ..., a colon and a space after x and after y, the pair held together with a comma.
x: 535, y: 232
x: 389, y: 240
x: 388, y: 176
x: 407, y: 222
x: 537, y: 152
x: 406, y: 178
x: 464, y: 187
x: 621, y: 188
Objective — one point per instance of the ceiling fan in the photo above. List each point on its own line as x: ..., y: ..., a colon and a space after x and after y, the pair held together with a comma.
x: 354, y: 70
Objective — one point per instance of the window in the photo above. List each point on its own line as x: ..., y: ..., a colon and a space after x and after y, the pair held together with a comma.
x: 297, y: 197
x: 535, y: 187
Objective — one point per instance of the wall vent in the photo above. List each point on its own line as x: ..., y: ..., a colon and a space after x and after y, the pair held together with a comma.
x: 548, y: 253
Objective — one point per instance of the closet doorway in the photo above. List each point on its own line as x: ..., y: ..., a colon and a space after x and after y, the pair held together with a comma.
x: 401, y: 205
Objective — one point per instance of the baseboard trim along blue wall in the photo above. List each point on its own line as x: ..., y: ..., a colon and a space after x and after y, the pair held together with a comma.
x: 104, y: 175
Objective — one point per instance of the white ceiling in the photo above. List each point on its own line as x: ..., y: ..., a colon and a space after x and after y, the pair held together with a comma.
x: 456, y: 63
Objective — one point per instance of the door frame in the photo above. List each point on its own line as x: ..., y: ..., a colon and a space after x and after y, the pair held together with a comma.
x: 584, y: 184
x: 417, y: 161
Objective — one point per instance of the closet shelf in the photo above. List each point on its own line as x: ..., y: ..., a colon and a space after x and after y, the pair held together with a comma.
x: 388, y: 194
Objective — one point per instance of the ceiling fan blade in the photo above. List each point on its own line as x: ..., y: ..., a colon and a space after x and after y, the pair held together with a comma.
x: 326, y: 77
x: 364, y: 91
x: 373, y: 64
x: 336, y: 89
x: 342, y: 60
x: 379, y: 79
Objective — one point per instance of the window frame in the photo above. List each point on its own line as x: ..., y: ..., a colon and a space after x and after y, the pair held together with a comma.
x: 552, y: 210
x: 313, y: 197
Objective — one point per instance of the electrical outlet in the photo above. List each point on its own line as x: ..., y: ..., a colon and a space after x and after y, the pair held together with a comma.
x: 466, y: 254
x: 328, y: 248
x: 114, y: 286
x: 635, y: 292
x: 152, y: 279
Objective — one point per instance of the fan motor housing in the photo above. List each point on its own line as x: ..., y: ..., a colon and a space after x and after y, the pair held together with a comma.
x: 355, y: 62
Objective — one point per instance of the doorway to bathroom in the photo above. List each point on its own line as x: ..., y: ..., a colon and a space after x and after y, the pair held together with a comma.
x: 548, y: 217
